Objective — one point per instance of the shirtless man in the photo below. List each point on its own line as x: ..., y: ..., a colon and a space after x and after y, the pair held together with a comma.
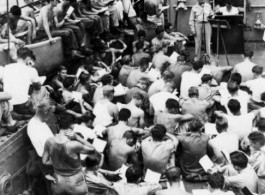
x: 141, y: 37
x: 154, y: 13
x: 139, y: 73
x: 63, y: 154
x: 137, y: 114
x: 173, y: 177
x: 121, y: 150
x: 171, y: 117
x: 30, y: 25
x: 46, y: 28
x: 160, y: 60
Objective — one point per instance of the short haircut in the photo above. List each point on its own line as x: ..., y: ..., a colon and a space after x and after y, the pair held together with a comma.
x: 141, y: 33
x: 239, y: 159
x: 232, y: 86
x: 158, y: 132
x: 44, y: 105
x: 65, y: 120
x: 261, y: 124
x: 61, y: 68
x: 236, y: 77
x: 257, y: 137
x: 15, y: 10
x: 124, y: 114
x: 216, y: 181
x: 144, y: 62
x: 248, y: 53
x: 197, y: 65
x: 206, y: 78
x: 173, y: 174
x: 159, y: 30
x: 196, y: 125
x: 130, y: 135
x: 138, y: 96
x: 84, y: 78
x: 193, y: 91
x: 107, y: 79
x: 257, y: 69
x: 234, y: 105
x: 172, y: 104
x: 168, y: 75
x: 221, y: 123
x: 133, y: 174
x: 108, y: 90
x: 93, y: 159
x: 24, y: 52
x: 167, y: 25
x: 139, y: 45
x: 126, y: 59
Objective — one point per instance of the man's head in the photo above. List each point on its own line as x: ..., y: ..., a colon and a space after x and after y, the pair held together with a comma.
x: 65, y: 121
x: 173, y: 174
x: 167, y: 76
x: 144, y: 64
x: 169, y: 87
x: 181, y: 60
x: 124, y: 114
x: 229, y: 5
x: 248, y: 54
x: 196, y: 125
x: 85, y: 79
x: 201, y: 2
x: 133, y: 174
x: 221, y: 124
x: 239, y: 160
x: 158, y: 132
x: 193, y: 92
x: 168, y: 27
x: 232, y: 87
x: 130, y: 137
x: 160, y: 32
x: 141, y: 35
x: 26, y: 55
x: 216, y: 181
x: 138, y: 99
x: 107, y: 79
x: 15, y: 12
x: 172, y: 106
x: 197, y: 66
x: 108, y: 92
x: 261, y: 125
x: 44, y: 109
x: 127, y: 60
x: 236, y: 77
x: 257, y: 71
x: 207, y: 79
x: 139, y: 46
x: 143, y: 83
x: 93, y: 160
x: 256, y: 140
x: 62, y: 72
x: 53, y: 3
x: 234, y: 106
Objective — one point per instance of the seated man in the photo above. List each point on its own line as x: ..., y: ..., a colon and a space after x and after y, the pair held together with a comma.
x: 141, y: 38
x: 171, y: 116
x: 127, y: 68
x: 216, y: 183
x: 216, y: 145
x: 120, y: 151
x: 105, y: 111
x: 46, y: 28
x: 30, y: 25
x: 229, y: 9
x: 107, y: 79
x: 133, y: 175
x: 139, y: 54
x: 154, y: 12
x: 158, y: 155
x: 194, y: 147
x: 206, y: 91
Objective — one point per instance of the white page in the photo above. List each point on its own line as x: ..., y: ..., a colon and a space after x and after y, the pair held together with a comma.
x: 99, y: 129
x: 206, y: 163
x: 226, y: 155
x: 77, y: 96
x: 120, y: 90
x: 42, y: 79
x: 70, y: 11
x: 99, y: 144
x: 201, y: 192
x: 174, y: 56
x: 123, y: 169
x: 210, y: 129
x: 152, y: 177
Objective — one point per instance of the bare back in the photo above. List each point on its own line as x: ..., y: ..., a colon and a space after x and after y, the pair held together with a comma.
x: 169, y: 120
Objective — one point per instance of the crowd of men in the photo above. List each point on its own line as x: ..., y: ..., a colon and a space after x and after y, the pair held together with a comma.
x: 154, y: 112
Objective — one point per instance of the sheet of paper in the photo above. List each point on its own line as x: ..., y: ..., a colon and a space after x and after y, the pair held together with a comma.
x: 99, y: 144
x: 206, y: 163
x: 210, y: 129
x: 70, y: 11
x: 174, y: 56
x: 77, y: 96
x: 226, y: 155
x: 152, y: 177
x: 99, y: 129
x: 120, y: 90
x: 154, y: 73
x: 201, y: 192
x: 85, y: 131
x: 42, y: 79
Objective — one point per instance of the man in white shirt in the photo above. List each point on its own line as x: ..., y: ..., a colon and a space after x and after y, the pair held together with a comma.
x: 190, y: 79
x: 38, y: 130
x: 229, y: 10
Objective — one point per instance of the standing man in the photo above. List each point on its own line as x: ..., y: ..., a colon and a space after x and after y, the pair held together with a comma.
x: 199, y: 16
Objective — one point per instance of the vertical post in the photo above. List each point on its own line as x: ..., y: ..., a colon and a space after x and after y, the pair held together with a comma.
x: 8, y: 42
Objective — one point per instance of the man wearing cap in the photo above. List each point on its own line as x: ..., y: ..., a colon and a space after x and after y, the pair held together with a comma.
x: 105, y: 111
x: 198, y: 22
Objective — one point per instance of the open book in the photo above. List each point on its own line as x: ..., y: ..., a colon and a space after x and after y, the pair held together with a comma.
x: 164, y: 8
x: 70, y: 11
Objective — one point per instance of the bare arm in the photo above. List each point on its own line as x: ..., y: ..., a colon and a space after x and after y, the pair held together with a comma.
x: 31, y: 20
x: 141, y: 120
x: 192, y: 21
x: 45, y: 157
x: 5, y: 96
x: 186, y: 117
x: 46, y: 24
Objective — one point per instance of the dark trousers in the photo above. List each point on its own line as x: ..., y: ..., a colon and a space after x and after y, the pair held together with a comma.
x: 79, y: 31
